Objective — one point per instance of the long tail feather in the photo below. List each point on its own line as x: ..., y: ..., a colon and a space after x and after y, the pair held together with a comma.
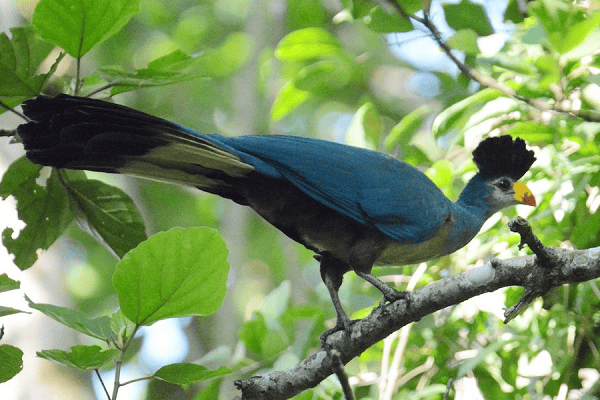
x: 81, y: 133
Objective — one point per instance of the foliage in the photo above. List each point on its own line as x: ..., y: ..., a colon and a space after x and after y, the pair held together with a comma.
x: 321, y: 73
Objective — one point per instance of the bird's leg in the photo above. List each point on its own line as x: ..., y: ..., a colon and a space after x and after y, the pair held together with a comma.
x: 389, y: 294
x: 332, y: 272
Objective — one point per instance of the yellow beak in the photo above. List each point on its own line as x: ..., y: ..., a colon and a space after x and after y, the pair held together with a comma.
x: 523, y: 194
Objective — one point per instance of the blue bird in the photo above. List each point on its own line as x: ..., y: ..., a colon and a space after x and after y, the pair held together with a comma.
x: 355, y: 208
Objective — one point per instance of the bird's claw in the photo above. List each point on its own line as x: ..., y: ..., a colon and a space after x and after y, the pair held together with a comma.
x: 391, y: 297
x: 343, y: 325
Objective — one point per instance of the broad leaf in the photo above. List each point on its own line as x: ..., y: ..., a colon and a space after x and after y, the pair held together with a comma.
x: 465, y: 40
x: 288, y: 99
x: 178, y: 273
x: 185, y: 373
x: 4, y: 311
x: 20, y: 58
x: 467, y: 15
x: 11, y: 362
x: 210, y: 392
x: 365, y: 129
x: 178, y: 67
x: 79, y: 25
x: 97, y: 327
x: 403, y: 132
x: 565, y: 26
x: 108, y: 213
x: 383, y: 22
x: 456, y: 116
x: 253, y: 333
x: 82, y: 357
x: 305, y: 44
x: 7, y: 284
x: 44, y: 210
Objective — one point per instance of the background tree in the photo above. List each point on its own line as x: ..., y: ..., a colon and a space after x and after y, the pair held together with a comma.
x: 315, y: 68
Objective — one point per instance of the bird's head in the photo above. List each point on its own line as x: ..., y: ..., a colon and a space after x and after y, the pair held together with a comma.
x: 501, y: 161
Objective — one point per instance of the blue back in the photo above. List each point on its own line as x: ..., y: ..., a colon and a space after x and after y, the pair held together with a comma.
x: 367, y: 186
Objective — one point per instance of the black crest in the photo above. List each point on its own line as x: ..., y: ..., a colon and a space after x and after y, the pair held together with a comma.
x: 501, y: 156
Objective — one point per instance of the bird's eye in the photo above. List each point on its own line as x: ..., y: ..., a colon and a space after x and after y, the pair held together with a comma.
x: 503, y: 184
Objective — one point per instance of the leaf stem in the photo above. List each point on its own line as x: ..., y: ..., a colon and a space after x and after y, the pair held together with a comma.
x: 107, y: 86
x: 143, y: 378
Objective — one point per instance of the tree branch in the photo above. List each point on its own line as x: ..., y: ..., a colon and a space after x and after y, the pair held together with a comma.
x: 568, y: 266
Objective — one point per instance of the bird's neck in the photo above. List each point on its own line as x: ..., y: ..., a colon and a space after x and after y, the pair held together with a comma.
x: 475, y: 199
x: 470, y: 211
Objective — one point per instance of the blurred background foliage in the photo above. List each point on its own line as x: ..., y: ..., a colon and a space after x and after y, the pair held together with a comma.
x: 353, y: 72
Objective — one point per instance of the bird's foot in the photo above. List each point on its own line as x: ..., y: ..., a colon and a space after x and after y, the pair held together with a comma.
x: 342, y: 324
x: 393, y: 295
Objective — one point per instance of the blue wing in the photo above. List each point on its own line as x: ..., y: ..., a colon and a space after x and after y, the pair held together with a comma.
x: 367, y: 186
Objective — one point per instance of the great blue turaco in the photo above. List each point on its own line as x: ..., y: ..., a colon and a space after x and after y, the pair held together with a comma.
x: 355, y: 208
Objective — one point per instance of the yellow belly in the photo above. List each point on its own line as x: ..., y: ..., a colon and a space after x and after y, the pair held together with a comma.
x: 404, y: 254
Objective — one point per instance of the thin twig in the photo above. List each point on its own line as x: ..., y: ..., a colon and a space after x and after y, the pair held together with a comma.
x: 394, y: 371
x: 119, y: 364
x: 102, y: 383
x: 448, y: 387
x: 8, y: 108
x: 338, y: 369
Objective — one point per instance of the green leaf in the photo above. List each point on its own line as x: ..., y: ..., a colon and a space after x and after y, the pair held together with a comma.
x: 81, y: 357
x: 177, y: 273
x: 11, y: 362
x: 566, y: 27
x: 174, y: 61
x: 123, y: 81
x: 577, y: 33
x: 275, y: 305
x: 177, y: 66
x: 107, y: 213
x: 4, y: 311
x: 98, y: 328
x: 403, y: 132
x: 305, y: 44
x: 210, y: 391
x: 121, y: 326
x: 225, y: 60
x: 254, y: 332
x: 441, y: 173
x: 366, y: 124
x: 79, y: 25
x: 44, y: 209
x: 274, y: 343
x: 513, y: 13
x: 532, y: 132
x: 20, y: 58
x: 457, y: 115
x: 325, y: 76
x: 467, y: 15
x: 465, y: 40
x: 185, y: 373
x: 288, y: 99
x: 7, y: 284
x: 381, y: 21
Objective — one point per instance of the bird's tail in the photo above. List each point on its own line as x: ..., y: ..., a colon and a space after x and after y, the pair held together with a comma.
x: 81, y: 133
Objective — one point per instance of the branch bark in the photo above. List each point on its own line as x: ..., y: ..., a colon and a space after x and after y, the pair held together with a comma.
x: 537, y: 276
